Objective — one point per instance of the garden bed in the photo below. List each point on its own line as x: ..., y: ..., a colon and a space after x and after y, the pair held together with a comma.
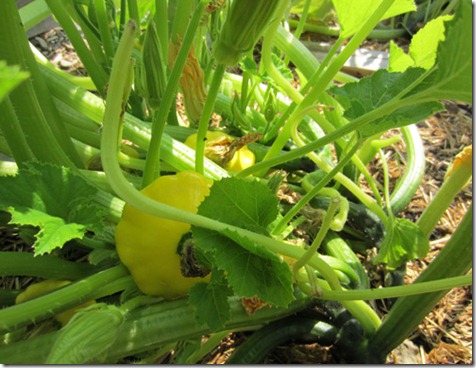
x: 445, y: 335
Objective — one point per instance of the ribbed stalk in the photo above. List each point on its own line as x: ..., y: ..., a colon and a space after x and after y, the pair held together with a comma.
x: 48, y: 267
x: 172, y: 151
x: 204, y: 122
x: 148, y: 328
x: 105, y: 32
x: 11, y: 129
x: 60, y: 300
x: 152, y: 161
x: 43, y: 130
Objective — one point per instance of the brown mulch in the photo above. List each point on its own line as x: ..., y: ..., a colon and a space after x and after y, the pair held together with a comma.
x: 445, y: 335
x: 56, y: 47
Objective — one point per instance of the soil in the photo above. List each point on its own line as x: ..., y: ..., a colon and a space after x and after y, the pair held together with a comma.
x: 445, y: 335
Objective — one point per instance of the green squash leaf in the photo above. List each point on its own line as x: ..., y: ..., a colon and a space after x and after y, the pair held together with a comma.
x: 318, y: 9
x: 87, y: 336
x: 211, y: 302
x: 404, y: 241
x: 246, y: 204
x: 423, y: 47
x: 10, y: 77
x: 383, y: 87
x: 54, y: 199
x: 452, y: 76
x: 410, y: 96
x: 352, y: 14
x: 250, y: 270
x: 399, y: 61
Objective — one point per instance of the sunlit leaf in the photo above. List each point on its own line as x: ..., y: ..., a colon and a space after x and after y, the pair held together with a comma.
x: 352, y: 14
x: 250, y: 269
x: 10, y: 77
x: 423, y: 47
x: 211, y: 302
x: 452, y: 77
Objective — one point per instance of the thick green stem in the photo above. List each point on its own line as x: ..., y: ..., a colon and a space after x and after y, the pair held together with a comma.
x: 60, y: 300
x: 182, y: 18
x: 90, y: 33
x: 300, y: 25
x: 133, y: 11
x: 302, y: 57
x: 151, y: 166
x: 204, y: 121
x: 83, y: 82
x: 31, y: 100
x: 161, y: 25
x: 12, y: 131
x: 47, y: 267
x: 267, y: 52
x: 149, y: 328
x: 415, y: 289
x: 103, y: 24
x: 330, y: 54
x: 33, y: 13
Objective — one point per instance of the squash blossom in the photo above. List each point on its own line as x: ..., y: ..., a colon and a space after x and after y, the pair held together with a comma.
x: 244, y: 25
x: 463, y: 161
x: 231, y: 154
x: 191, y: 83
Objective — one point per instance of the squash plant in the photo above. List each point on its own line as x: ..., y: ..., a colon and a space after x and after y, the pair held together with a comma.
x: 80, y: 148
